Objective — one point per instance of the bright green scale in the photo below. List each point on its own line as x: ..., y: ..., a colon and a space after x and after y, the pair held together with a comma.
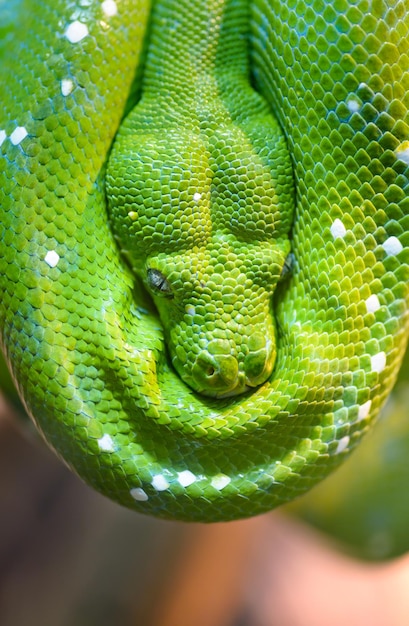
x: 184, y: 416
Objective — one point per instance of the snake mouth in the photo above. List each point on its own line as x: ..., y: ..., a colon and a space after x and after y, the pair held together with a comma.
x: 234, y: 392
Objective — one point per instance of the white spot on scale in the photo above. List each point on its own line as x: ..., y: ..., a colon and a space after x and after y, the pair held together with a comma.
x: 403, y: 155
x: 353, y: 105
x: 190, y: 310
x: 372, y: 304
x: 3, y: 136
x: 139, y: 494
x: 378, y: 362
x: 76, y: 31
x: 338, y: 230
x: 160, y: 483
x: 392, y: 246
x: 220, y: 481
x: 106, y: 443
x: 109, y: 8
x: 186, y: 478
x: 52, y: 258
x: 66, y: 86
x: 197, y: 196
x: 402, y: 152
x: 18, y: 135
x: 364, y: 409
x: 342, y: 444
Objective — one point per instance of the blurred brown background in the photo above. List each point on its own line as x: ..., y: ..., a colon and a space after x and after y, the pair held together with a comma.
x: 69, y: 557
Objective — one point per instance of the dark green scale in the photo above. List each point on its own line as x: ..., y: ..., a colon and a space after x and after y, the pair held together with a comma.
x: 201, y: 196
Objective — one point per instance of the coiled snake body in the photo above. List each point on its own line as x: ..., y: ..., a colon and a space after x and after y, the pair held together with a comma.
x: 212, y: 410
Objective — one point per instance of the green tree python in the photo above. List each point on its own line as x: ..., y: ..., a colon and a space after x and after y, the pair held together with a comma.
x: 204, y: 257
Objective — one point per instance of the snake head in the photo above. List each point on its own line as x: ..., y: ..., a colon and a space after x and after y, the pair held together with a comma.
x: 216, y: 307
x: 203, y: 219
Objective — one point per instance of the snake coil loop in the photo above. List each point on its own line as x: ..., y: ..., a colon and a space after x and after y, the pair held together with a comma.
x: 225, y: 435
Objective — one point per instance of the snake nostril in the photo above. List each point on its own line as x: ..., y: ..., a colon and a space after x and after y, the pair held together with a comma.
x: 217, y: 372
x: 259, y: 364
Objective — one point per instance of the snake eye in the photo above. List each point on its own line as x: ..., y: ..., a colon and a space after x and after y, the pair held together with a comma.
x: 158, y: 283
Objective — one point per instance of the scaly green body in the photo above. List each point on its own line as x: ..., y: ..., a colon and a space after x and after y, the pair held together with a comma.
x: 201, y: 195
x: 87, y: 354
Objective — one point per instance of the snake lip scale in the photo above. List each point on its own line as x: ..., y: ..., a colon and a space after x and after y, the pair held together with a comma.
x: 252, y: 128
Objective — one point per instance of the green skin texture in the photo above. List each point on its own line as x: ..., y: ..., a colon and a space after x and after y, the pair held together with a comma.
x: 91, y: 358
x: 200, y: 190
x: 363, y: 505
